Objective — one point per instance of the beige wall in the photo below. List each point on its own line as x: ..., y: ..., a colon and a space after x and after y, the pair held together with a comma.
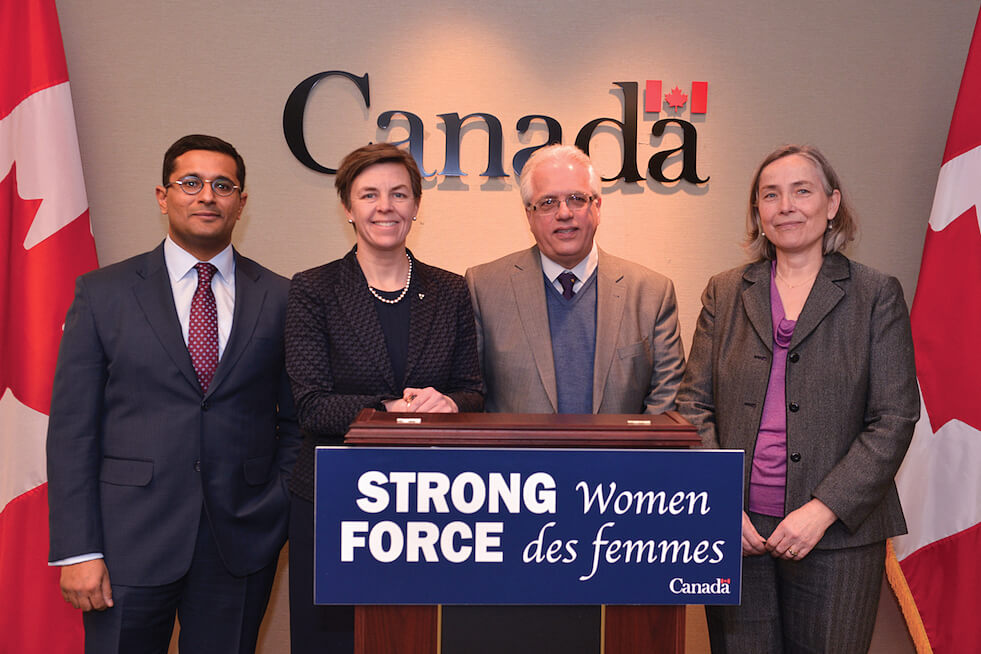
x: 872, y: 83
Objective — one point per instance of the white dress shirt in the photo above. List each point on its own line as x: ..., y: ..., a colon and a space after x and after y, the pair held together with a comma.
x: 581, y: 270
x: 184, y: 281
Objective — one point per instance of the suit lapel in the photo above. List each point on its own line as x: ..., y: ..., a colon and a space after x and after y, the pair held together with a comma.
x: 249, y: 299
x: 358, y: 307
x: 824, y: 295
x: 610, y: 302
x: 422, y: 311
x: 156, y: 298
x: 756, y: 301
x: 527, y: 283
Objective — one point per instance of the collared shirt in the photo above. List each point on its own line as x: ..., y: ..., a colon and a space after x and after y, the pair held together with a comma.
x: 582, y: 270
x: 184, y: 281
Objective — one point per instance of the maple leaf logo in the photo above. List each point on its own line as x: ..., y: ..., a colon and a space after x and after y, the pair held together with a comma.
x: 676, y: 99
x: 946, y: 320
x: 36, y: 287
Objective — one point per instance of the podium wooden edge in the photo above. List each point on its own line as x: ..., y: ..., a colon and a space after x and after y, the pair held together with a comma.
x: 378, y: 428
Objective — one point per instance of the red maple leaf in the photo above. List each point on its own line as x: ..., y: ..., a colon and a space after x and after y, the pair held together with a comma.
x: 946, y: 319
x: 676, y: 99
x: 36, y: 288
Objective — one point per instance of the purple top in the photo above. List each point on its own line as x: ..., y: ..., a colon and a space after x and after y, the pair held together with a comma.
x: 768, y: 479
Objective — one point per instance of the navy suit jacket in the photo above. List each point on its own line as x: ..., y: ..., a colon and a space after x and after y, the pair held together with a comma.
x: 135, y: 449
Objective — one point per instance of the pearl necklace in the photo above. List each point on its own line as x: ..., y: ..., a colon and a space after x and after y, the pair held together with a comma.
x: 408, y: 278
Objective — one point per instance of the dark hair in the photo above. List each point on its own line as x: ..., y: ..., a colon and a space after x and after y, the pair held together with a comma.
x: 843, y: 226
x: 202, y: 142
x: 356, y: 162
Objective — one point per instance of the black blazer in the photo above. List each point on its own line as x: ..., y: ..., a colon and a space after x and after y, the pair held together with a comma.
x: 852, y: 399
x: 134, y: 449
x: 338, y: 363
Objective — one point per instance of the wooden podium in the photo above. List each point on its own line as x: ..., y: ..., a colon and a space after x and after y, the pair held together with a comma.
x: 416, y: 629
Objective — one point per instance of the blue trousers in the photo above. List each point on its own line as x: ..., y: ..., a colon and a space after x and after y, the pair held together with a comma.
x: 219, y: 613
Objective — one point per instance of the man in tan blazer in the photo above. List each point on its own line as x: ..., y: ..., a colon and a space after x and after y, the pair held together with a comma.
x: 564, y: 327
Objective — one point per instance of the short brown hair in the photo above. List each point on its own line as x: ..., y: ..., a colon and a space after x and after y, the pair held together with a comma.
x: 356, y: 162
x: 843, y: 226
x: 202, y: 142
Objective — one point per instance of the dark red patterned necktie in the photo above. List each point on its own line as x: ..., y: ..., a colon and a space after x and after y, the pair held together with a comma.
x: 202, y: 336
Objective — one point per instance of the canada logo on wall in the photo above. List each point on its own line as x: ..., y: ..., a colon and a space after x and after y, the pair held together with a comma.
x: 658, y: 99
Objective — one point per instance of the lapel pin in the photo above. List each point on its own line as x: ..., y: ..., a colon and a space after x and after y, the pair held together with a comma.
x: 422, y: 295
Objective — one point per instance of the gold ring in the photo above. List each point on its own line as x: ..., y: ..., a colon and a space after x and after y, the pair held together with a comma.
x: 792, y: 553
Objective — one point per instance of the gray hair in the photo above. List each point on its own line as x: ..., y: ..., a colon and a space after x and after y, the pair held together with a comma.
x: 558, y: 151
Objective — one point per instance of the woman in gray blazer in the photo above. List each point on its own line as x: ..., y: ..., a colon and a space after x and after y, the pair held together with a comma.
x: 803, y: 359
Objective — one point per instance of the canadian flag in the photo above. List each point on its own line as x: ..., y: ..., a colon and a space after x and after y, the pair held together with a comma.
x: 45, y: 243
x: 935, y: 569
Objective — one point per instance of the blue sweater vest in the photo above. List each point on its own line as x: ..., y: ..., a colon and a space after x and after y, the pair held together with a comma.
x: 572, y: 324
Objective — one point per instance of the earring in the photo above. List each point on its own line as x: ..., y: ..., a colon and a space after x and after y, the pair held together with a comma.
x: 350, y: 221
x: 413, y: 218
x: 829, y: 225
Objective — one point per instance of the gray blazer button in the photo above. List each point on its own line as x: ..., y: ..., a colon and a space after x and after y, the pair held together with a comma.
x: 795, y: 457
x: 794, y: 358
x: 794, y: 407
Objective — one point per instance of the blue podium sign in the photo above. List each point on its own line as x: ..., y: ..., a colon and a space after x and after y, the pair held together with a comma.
x: 525, y: 526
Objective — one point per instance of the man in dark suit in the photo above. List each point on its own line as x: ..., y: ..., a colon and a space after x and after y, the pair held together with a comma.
x: 564, y: 327
x: 172, y: 428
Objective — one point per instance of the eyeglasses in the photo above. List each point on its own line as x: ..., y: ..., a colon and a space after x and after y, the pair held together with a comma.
x: 549, y: 205
x: 192, y: 185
